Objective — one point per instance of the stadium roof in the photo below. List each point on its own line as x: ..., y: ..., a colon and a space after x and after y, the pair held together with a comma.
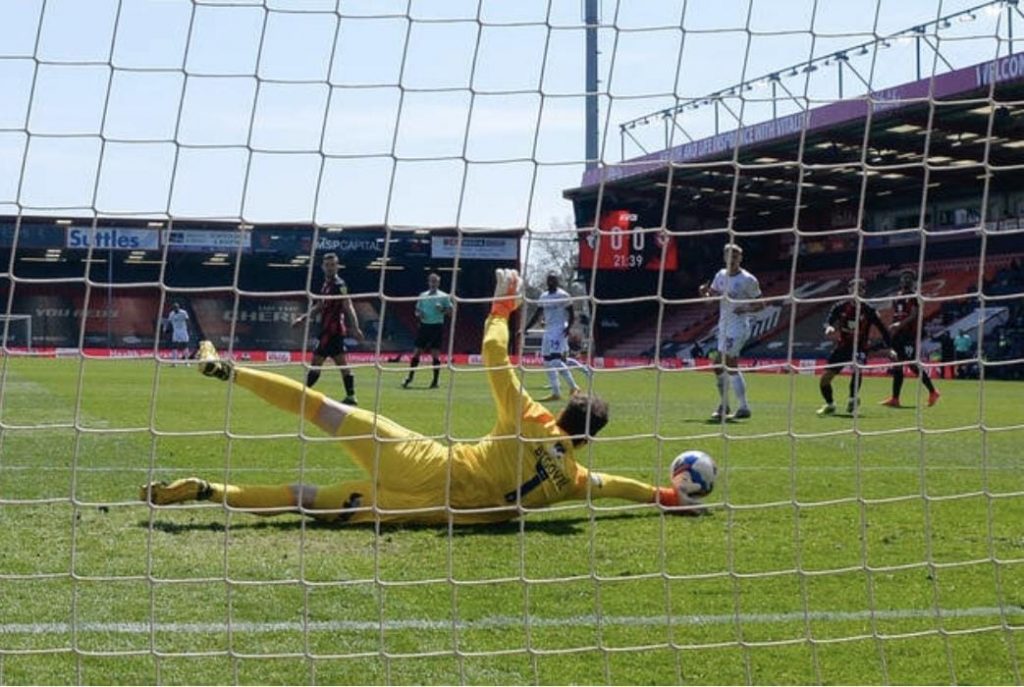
x: 945, y: 136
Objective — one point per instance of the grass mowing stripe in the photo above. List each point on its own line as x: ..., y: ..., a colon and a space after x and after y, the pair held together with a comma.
x: 910, y: 512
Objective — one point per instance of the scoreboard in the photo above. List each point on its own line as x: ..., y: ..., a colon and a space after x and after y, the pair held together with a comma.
x: 619, y: 244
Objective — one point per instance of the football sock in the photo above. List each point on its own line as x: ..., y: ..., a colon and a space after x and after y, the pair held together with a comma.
x: 826, y: 392
x: 286, y: 394
x: 855, y: 380
x: 437, y: 369
x: 563, y: 370
x: 414, y: 362
x: 739, y: 385
x: 925, y: 379
x: 252, y: 496
x: 573, y: 362
x: 556, y: 387
x: 350, y: 382
x: 723, y: 389
x: 897, y: 380
x: 312, y: 376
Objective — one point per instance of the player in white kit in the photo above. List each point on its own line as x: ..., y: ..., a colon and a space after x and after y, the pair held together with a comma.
x: 177, y: 322
x: 556, y: 306
x: 732, y: 285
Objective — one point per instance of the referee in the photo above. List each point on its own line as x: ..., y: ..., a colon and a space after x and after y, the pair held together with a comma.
x: 431, y: 308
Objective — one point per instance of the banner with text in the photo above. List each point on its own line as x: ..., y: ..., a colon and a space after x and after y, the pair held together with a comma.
x: 207, y: 239
x: 474, y: 248
x: 109, y: 238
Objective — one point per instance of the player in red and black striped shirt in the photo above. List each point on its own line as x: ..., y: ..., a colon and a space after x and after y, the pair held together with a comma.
x: 849, y: 324
x: 333, y: 304
x: 904, y: 341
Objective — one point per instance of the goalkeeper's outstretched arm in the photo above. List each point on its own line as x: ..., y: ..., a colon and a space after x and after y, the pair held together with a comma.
x: 510, y: 399
x: 602, y: 485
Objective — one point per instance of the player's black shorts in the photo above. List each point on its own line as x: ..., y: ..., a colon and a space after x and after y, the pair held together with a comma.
x: 429, y: 336
x: 905, y: 347
x: 330, y: 346
x: 843, y: 355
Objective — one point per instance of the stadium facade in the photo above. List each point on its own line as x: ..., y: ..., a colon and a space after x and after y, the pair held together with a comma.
x: 106, y: 283
x: 925, y: 175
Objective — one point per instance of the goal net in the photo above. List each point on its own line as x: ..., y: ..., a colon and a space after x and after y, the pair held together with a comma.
x: 176, y: 171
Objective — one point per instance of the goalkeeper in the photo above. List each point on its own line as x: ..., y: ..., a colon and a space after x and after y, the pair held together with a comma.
x: 527, y: 461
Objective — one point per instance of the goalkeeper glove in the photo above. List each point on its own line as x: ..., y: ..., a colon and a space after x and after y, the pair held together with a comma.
x: 508, y: 292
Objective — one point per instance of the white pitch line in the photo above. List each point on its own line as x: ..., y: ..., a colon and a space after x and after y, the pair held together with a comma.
x: 501, y: 622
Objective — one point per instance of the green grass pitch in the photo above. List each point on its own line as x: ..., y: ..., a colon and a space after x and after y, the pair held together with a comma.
x: 887, y: 548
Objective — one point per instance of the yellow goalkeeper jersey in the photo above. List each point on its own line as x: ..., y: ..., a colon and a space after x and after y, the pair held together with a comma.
x: 527, y: 459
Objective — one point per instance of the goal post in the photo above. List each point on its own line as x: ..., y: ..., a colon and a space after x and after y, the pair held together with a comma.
x: 16, y: 332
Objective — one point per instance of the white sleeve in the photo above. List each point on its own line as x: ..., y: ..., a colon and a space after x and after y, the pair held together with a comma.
x: 755, y: 287
x: 718, y: 283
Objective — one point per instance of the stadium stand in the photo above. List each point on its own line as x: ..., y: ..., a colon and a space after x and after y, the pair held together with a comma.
x: 949, y: 287
x: 243, y: 297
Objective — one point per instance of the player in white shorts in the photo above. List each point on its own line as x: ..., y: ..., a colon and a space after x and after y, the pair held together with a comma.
x: 732, y: 285
x: 177, y: 322
x: 556, y: 306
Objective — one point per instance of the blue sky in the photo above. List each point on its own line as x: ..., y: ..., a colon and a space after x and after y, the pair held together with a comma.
x: 420, y: 113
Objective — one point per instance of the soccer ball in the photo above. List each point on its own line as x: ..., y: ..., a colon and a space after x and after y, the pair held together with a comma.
x: 693, y: 473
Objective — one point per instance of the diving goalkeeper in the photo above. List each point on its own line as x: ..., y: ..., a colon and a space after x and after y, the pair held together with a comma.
x: 527, y: 461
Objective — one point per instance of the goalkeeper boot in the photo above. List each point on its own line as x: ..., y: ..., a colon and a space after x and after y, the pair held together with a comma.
x: 891, y: 402
x: 720, y: 412
x: 852, y: 405
x: 178, y: 491
x: 210, y: 363
x: 933, y: 398
x: 827, y: 409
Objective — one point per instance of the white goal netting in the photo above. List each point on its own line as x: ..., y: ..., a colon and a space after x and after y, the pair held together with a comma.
x: 201, y: 157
